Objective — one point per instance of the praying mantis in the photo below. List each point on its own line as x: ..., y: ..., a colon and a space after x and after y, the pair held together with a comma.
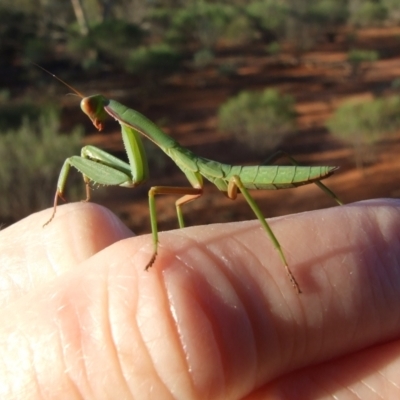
x: 103, y: 168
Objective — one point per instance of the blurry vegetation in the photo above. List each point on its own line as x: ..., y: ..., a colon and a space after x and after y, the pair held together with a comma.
x: 370, y: 13
x: 268, y: 17
x: 363, y: 124
x: 310, y: 21
x: 396, y: 84
x: 258, y: 120
x: 273, y: 48
x: 107, y: 34
x: 12, y: 114
x: 200, y: 24
x: 156, y: 60
x: 393, y: 10
x: 109, y: 42
x: 359, y: 60
x: 31, y: 159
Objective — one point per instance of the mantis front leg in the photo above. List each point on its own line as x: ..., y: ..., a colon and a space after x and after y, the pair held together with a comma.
x: 102, y: 168
x: 97, y: 166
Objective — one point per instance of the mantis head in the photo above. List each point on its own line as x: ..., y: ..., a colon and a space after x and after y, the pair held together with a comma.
x: 93, y: 107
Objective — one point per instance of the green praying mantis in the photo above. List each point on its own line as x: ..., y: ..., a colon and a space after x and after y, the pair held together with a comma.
x: 103, y: 168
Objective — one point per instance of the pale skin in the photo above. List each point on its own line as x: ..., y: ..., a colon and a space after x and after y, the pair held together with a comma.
x: 215, y: 318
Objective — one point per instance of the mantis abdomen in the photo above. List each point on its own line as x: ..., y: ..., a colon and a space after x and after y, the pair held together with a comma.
x: 279, y: 177
x: 264, y: 177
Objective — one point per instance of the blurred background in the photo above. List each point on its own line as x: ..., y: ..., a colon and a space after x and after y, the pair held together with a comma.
x: 234, y: 81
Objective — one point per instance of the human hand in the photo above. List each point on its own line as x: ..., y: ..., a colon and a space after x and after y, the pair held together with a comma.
x: 215, y: 317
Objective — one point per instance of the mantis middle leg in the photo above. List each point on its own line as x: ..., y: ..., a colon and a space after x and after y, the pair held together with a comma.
x: 189, y: 194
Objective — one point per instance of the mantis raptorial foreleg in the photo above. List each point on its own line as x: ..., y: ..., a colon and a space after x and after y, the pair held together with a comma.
x: 93, y: 163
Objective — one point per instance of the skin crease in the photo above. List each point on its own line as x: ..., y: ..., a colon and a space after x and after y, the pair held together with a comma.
x: 215, y: 317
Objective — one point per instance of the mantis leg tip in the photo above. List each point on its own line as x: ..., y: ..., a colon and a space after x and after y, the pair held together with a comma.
x: 151, y: 262
x: 49, y: 220
x: 293, y: 280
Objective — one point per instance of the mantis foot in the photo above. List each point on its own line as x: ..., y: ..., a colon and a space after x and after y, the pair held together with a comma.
x: 293, y: 280
x: 151, y: 262
x: 57, y: 195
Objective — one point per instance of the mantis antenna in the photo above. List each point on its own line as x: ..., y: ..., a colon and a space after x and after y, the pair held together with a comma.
x: 60, y: 80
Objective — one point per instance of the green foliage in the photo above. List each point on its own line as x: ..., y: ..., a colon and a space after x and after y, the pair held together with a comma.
x: 393, y: 10
x: 357, y: 56
x: 200, y: 23
x: 31, y: 159
x: 364, y: 123
x: 11, y: 115
x: 158, y: 59
x: 268, y: 17
x: 273, y: 49
x: 310, y: 21
x: 203, y: 57
x: 396, y: 84
x: 239, y: 31
x: 369, y: 13
x: 112, y: 34
x: 227, y: 69
x: 108, y: 41
x: 328, y: 12
x: 259, y: 120
x: 16, y: 30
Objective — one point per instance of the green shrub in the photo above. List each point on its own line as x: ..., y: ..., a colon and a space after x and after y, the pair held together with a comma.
x: 108, y: 41
x: 268, y: 17
x: 158, y: 59
x: 200, y: 24
x: 259, y: 120
x: 364, y: 123
x: 228, y: 69
x: 22, y: 34
x: 328, y: 12
x: 203, y: 57
x: 369, y: 13
x: 395, y: 84
x: 31, y: 159
x: 11, y: 115
x: 393, y: 10
x: 357, y: 57
x: 239, y: 30
x: 16, y: 30
x: 273, y: 49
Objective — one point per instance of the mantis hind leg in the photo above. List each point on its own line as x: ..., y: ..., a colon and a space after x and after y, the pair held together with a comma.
x: 236, y: 183
x: 280, y: 154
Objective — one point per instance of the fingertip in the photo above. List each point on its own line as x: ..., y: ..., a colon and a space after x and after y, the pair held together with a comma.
x: 88, y: 227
